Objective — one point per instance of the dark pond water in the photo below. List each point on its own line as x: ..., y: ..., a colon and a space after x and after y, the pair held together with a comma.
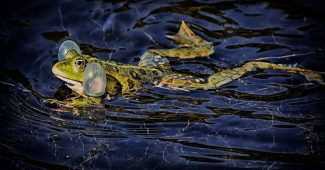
x: 267, y: 120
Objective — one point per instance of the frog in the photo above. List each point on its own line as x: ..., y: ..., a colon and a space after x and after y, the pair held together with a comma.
x: 154, y: 70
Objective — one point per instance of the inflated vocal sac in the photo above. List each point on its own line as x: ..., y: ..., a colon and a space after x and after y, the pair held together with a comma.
x: 65, y: 47
x: 94, y: 80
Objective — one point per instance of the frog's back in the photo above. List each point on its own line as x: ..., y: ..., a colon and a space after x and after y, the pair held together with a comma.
x: 131, y: 77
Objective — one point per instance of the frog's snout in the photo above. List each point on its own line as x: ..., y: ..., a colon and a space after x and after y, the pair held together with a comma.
x: 56, y: 70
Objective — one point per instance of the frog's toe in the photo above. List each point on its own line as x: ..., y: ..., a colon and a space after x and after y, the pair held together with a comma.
x: 77, y: 111
x: 57, y: 103
x: 314, y: 76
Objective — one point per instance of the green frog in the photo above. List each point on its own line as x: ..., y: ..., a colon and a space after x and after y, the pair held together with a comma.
x: 153, y: 69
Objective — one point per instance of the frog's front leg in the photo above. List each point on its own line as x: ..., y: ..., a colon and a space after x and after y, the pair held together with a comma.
x: 76, y: 102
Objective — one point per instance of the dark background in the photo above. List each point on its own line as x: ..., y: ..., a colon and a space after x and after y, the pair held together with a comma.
x: 269, y: 119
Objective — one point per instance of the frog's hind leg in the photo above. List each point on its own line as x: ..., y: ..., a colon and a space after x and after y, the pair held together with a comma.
x: 182, y: 82
x: 309, y: 74
x: 190, y: 45
x: 225, y: 76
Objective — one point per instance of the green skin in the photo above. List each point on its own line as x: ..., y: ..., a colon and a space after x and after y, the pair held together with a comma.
x: 127, y: 79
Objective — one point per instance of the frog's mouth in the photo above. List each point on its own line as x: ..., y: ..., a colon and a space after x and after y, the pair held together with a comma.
x: 72, y: 84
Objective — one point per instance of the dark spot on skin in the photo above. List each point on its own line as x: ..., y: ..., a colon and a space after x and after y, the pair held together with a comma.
x: 109, y: 68
x: 115, y: 69
x: 143, y: 72
x: 169, y: 81
x: 135, y: 75
x: 133, y: 90
x: 155, y: 73
x: 130, y: 83
x: 118, y: 87
x: 187, y: 83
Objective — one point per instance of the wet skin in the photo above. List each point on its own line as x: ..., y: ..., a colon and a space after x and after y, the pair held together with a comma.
x: 154, y: 69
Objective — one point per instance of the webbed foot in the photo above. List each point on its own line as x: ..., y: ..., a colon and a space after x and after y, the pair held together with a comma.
x: 191, y: 45
x: 76, y: 104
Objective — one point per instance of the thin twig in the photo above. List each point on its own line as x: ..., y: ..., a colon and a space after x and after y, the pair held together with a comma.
x: 151, y: 39
x: 284, y: 56
x: 61, y: 19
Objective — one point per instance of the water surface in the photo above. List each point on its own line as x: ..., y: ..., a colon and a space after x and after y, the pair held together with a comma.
x: 267, y: 120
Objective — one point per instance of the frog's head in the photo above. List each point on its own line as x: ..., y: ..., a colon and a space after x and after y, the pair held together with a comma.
x: 71, y: 70
x: 78, y: 72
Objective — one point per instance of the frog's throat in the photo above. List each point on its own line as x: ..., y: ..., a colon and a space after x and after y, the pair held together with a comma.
x: 72, y: 84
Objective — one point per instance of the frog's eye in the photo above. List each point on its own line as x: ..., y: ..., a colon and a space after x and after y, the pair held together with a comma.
x: 79, y: 63
x: 65, y: 47
x: 94, y: 80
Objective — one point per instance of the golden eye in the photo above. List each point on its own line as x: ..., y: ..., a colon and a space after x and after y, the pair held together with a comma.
x: 80, y: 63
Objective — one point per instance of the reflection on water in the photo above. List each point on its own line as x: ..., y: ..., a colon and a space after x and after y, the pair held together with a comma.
x: 268, y: 120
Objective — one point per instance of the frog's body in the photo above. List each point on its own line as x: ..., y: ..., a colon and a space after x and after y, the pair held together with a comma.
x: 121, y: 78
x: 154, y: 69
